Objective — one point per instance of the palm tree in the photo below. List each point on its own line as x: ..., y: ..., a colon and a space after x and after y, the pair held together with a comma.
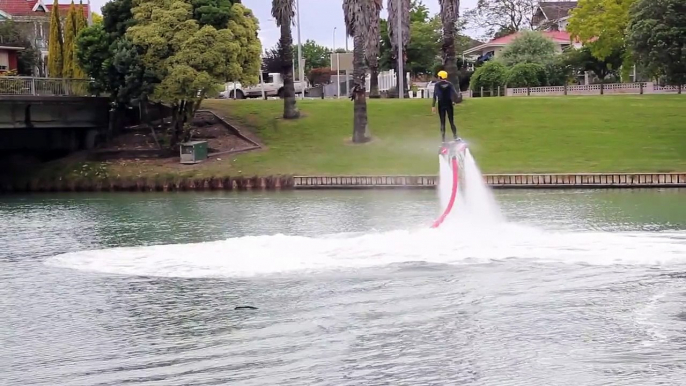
x: 372, y: 48
x: 392, y: 32
x: 283, y: 12
x: 450, y: 10
x: 358, y: 15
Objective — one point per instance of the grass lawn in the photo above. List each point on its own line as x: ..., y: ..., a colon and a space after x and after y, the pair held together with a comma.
x: 506, y: 135
x: 525, y: 135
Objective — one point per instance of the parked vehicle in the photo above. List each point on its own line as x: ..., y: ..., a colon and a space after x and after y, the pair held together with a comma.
x: 273, y: 87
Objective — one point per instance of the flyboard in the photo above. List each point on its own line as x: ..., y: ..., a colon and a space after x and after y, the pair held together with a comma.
x: 454, y: 153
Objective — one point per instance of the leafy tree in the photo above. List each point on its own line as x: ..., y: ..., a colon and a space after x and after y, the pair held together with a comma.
x: 424, y: 46
x: 315, y: 56
x: 526, y: 75
x: 358, y: 17
x: 96, y: 18
x: 489, y: 76
x: 529, y: 47
x: 271, y: 61
x: 55, y: 58
x: 190, y: 60
x: 283, y: 12
x: 26, y: 58
x: 424, y: 42
x: 657, y: 36
x: 558, y: 72
x: 582, y: 60
x: 502, y: 17
x: 602, y: 23
x: 450, y: 10
x: 69, y: 40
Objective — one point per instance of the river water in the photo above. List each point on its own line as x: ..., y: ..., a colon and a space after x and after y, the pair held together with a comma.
x: 351, y: 288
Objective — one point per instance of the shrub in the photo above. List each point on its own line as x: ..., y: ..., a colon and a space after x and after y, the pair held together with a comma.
x: 489, y: 76
x: 526, y: 75
x: 528, y: 47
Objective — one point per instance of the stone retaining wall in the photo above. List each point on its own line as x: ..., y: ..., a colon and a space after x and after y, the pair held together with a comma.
x: 611, y: 180
x: 606, y: 180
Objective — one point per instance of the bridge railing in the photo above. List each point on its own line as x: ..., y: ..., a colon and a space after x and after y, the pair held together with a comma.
x: 22, y: 85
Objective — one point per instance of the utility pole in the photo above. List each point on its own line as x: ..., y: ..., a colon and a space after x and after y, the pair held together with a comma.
x: 347, y: 82
x: 301, y: 70
x: 401, y: 87
x: 338, y: 66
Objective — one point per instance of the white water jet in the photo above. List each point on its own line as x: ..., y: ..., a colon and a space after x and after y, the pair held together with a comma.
x: 475, y: 203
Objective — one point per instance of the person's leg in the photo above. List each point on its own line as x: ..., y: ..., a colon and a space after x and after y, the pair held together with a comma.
x: 441, y: 114
x: 452, y: 121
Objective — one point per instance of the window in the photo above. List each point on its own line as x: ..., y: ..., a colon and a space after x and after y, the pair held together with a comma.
x: 4, y: 61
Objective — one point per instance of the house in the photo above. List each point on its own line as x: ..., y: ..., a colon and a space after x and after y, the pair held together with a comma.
x: 552, y: 15
x: 8, y: 58
x: 32, y: 17
x: 494, y: 47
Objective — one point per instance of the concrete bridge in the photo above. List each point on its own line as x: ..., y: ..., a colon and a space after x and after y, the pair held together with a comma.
x: 48, y: 114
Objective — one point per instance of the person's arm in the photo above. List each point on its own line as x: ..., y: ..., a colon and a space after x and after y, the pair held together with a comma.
x: 453, y: 91
x: 433, y: 104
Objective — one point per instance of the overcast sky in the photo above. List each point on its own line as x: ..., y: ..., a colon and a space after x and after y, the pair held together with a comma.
x: 318, y: 18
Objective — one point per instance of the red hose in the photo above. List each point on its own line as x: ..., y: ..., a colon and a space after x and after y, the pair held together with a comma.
x: 447, y: 210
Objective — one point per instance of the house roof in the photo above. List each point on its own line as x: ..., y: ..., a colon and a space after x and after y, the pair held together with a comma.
x: 553, y: 10
x: 556, y: 36
x: 32, y: 8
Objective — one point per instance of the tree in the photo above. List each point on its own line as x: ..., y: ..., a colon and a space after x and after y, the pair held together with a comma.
x: 490, y: 76
x: 81, y: 24
x: 69, y: 40
x: 424, y: 47
x: 582, y: 60
x: 404, y: 7
x: 657, y: 36
x: 529, y: 47
x: 315, y: 56
x: 373, y: 46
x: 96, y: 18
x: 271, y: 61
x: 55, y: 58
x: 526, y: 75
x: 358, y: 17
x: 502, y: 17
x: 602, y: 25
x: 449, y: 13
x: 28, y: 57
x: 190, y: 60
x: 283, y: 12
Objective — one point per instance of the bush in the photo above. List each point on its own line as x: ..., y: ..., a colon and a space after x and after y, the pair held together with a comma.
x: 528, y: 47
x: 558, y: 73
x: 489, y: 76
x: 526, y: 75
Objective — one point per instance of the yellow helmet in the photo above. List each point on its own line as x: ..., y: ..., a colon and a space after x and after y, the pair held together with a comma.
x: 442, y: 74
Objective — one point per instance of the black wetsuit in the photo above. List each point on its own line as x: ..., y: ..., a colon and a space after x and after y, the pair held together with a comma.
x: 444, y: 92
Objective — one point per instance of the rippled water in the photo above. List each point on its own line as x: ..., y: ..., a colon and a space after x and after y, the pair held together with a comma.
x: 351, y: 288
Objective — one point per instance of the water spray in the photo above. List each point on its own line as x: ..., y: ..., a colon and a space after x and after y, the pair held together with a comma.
x: 454, y: 153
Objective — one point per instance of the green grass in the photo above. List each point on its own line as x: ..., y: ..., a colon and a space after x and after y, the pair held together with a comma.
x: 506, y: 135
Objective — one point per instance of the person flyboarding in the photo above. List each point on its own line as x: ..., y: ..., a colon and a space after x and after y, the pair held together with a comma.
x: 443, y: 93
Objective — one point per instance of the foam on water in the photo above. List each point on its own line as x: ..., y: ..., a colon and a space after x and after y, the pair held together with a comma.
x: 475, y: 232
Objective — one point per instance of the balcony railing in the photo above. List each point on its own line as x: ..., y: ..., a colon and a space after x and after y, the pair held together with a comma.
x: 21, y: 85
